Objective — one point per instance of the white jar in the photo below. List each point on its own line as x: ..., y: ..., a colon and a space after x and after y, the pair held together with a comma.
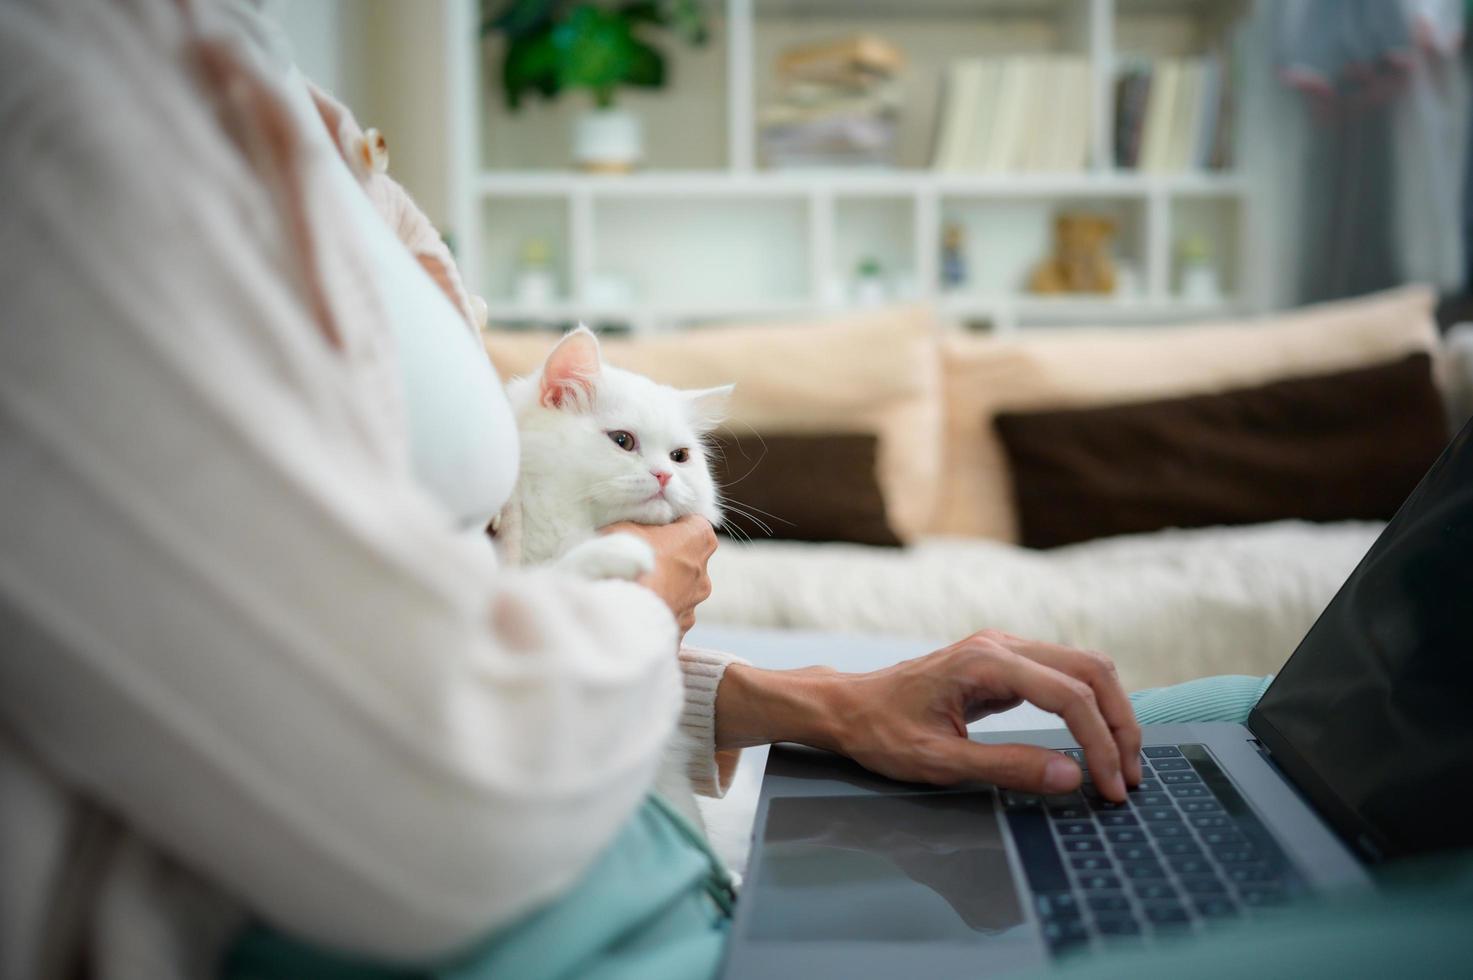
x: 1199, y: 284
x: 608, y: 141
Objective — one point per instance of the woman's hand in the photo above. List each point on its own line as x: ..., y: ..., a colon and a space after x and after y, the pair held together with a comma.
x: 682, y: 550
x: 910, y: 721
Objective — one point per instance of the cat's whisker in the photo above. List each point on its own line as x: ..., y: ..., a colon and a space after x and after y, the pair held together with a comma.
x: 721, y: 451
x: 739, y: 479
x: 737, y: 439
x: 738, y: 532
x: 764, y: 528
x: 742, y: 533
x: 755, y: 509
x: 751, y: 515
x: 728, y: 424
x: 749, y: 510
x: 735, y: 531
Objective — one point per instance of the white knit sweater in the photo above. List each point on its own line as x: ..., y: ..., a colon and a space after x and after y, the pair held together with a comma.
x: 250, y: 659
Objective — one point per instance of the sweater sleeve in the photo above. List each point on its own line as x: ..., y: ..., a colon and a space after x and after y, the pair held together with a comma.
x: 710, y: 771
x: 231, y: 615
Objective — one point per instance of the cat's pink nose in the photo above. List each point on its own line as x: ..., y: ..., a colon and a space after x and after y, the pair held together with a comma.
x: 662, y: 476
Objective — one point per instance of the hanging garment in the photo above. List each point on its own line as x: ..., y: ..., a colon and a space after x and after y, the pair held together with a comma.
x: 1383, y: 176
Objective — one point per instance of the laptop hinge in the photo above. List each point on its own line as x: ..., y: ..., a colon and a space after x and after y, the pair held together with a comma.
x: 1364, y: 844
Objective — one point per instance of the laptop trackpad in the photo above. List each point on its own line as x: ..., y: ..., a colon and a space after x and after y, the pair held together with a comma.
x: 884, y: 868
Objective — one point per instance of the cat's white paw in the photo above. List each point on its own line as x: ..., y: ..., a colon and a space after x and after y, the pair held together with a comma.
x: 610, y: 556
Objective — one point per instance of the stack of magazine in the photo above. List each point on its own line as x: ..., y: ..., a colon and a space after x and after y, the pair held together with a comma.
x: 838, y: 105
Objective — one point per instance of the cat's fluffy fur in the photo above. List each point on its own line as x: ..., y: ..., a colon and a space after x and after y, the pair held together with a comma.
x: 601, y: 445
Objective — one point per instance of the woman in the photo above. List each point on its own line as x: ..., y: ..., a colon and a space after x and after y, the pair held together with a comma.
x: 260, y: 664
x: 259, y: 659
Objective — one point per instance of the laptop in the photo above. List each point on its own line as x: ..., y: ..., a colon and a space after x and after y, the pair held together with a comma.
x: 1358, y: 753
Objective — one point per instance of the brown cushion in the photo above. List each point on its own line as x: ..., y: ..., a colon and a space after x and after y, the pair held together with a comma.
x: 1326, y: 447
x: 803, y: 487
x: 1047, y: 368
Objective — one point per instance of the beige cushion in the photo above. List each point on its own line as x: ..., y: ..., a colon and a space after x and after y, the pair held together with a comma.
x: 1063, y: 368
x: 872, y: 372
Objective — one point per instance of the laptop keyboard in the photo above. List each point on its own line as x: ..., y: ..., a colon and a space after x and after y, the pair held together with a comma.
x: 1185, y: 850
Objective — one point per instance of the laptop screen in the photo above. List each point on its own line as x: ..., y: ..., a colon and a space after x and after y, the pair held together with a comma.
x: 1372, y: 717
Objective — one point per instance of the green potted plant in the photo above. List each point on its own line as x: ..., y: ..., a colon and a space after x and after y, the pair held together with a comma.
x: 556, y: 45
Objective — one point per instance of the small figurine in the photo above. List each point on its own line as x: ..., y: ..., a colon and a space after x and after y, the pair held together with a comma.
x: 953, y: 257
x: 1081, y: 262
x: 1199, y: 282
x: 536, y: 285
x: 869, y: 283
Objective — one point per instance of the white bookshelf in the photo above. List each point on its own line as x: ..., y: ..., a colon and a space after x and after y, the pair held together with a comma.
x: 713, y: 236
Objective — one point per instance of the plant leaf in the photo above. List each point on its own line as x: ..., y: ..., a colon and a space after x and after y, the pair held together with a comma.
x: 643, y: 12
x: 518, y: 18
x: 531, y: 64
x: 555, y: 44
x: 646, y: 65
x: 594, y: 46
x: 687, y: 18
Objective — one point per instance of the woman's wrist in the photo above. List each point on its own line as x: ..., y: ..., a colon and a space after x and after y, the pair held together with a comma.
x: 756, y: 707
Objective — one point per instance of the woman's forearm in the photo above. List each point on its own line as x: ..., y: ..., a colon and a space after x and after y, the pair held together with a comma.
x: 909, y: 721
x: 755, y: 707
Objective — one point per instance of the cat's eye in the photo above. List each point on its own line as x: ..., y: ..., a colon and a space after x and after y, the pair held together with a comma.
x: 624, y: 440
x: 680, y: 455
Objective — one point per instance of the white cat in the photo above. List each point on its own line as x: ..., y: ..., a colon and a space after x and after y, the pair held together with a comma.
x: 601, y: 445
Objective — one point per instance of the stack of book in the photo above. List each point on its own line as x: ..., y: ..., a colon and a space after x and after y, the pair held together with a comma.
x: 1015, y: 113
x: 1173, y: 114
x: 838, y: 105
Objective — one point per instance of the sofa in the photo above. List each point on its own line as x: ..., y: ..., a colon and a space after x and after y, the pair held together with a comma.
x: 934, y: 482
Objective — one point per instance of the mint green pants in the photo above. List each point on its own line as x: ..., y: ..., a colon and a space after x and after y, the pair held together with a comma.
x: 656, y: 906
x: 1226, y: 698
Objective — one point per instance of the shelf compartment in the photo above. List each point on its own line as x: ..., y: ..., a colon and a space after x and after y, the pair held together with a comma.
x: 931, y: 36
x: 675, y: 252
x: 1174, y: 28
x: 685, y: 123
x: 872, y: 228
x: 1217, y: 223
x: 508, y: 224
x: 1005, y: 238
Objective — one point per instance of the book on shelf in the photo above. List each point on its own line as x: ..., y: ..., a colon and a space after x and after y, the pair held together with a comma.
x: 1205, y: 125
x: 1220, y: 156
x: 1015, y: 113
x: 1131, y: 91
x: 995, y: 149
x: 1184, y: 110
x: 959, y: 95
x: 1173, y: 114
x: 838, y: 105
x: 1156, y: 123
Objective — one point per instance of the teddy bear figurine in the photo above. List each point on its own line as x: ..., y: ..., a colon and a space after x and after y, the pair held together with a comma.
x: 1081, y: 262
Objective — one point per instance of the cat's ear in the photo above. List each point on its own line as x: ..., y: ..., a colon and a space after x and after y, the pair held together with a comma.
x: 569, y: 373
x: 707, y: 406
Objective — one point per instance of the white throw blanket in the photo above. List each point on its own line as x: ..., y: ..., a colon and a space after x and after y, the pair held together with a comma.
x: 1168, y: 606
